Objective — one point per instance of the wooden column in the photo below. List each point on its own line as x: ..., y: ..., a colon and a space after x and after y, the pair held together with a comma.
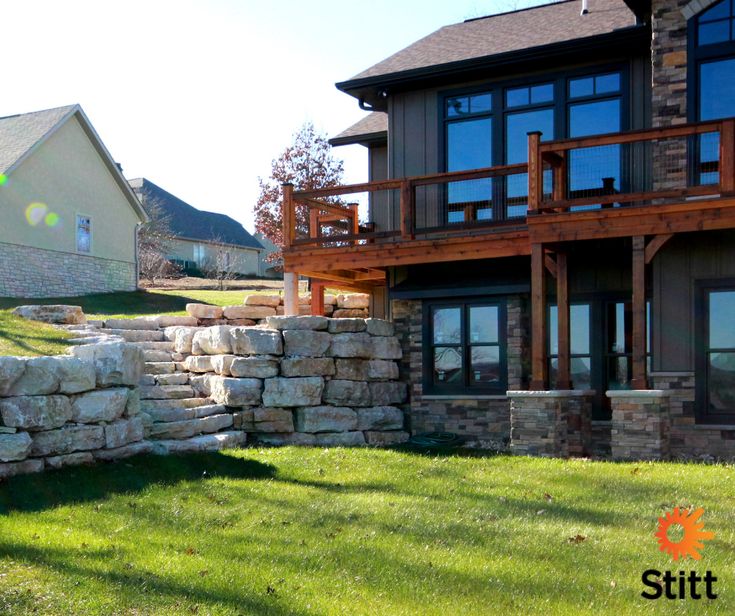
x: 290, y: 294
x: 539, y: 368
x: 406, y: 206
x: 639, y: 380
x: 317, y: 298
x: 564, y: 380
x: 289, y: 230
x: 560, y: 178
x: 727, y: 158
x: 535, y: 172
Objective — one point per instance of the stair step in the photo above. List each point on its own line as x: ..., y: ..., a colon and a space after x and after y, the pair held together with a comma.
x: 209, y: 442
x: 155, y: 345
x: 160, y: 367
x: 149, y: 406
x: 141, y: 323
x: 136, y: 335
x: 178, y: 378
x: 191, y: 427
x: 166, y: 392
x: 152, y: 355
x: 167, y: 415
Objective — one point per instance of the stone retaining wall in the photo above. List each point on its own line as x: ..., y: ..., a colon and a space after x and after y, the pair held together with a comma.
x: 70, y: 409
x: 306, y: 380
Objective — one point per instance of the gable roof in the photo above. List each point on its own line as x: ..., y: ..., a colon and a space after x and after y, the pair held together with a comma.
x: 373, y: 128
x: 510, y: 36
x: 22, y: 134
x: 187, y: 222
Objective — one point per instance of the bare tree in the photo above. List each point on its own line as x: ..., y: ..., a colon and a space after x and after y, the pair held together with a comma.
x: 221, y: 265
x: 154, y: 244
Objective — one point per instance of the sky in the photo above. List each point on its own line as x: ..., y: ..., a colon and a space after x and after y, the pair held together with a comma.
x: 199, y: 96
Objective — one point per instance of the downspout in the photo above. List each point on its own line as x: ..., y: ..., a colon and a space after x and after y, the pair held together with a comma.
x: 585, y: 7
x: 137, y: 255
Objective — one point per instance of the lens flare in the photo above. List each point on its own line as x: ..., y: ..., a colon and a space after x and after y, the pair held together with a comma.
x: 52, y: 219
x: 3, y: 179
x: 35, y: 213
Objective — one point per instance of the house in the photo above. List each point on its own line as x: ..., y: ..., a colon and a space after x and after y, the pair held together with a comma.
x: 202, y: 239
x: 69, y: 218
x: 552, y: 205
x: 268, y: 267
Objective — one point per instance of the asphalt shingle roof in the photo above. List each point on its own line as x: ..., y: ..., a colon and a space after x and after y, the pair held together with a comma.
x: 372, y: 124
x: 187, y: 222
x: 507, y: 32
x: 19, y: 133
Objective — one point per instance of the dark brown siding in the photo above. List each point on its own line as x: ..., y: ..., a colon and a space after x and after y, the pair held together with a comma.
x: 378, y: 170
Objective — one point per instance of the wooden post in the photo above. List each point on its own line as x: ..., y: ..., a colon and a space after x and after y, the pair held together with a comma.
x: 560, y: 178
x: 564, y: 380
x: 315, y: 228
x: 290, y: 294
x: 539, y: 369
x: 639, y: 380
x: 317, y: 298
x: 727, y: 158
x: 406, y: 206
x: 355, y: 218
x: 535, y: 172
x: 289, y: 231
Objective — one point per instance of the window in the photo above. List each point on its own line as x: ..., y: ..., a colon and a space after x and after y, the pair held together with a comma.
x: 84, y: 234
x: 466, y: 349
x: 716, y: 354
x: 199, y: 253
x: 580, y: 348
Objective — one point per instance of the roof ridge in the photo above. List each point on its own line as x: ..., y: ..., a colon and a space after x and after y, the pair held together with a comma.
x: 527, y: 8
x: 27, y: 113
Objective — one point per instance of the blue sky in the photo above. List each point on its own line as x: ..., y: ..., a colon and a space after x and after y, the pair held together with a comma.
x: 200, y: 95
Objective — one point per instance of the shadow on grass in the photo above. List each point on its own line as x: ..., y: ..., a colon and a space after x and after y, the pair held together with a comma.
x: 30, y: 493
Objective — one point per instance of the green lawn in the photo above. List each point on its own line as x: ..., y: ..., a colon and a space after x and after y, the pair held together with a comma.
x: 315, y: 531
x: 21, y: 337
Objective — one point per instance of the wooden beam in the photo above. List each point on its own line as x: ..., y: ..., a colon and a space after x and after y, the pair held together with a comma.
x: 332, y: 208
x: 317, y: 298
x: 288, y: 229
x: 563, y: 380
x: 655, y: 245
x: 559, y: 191
x: 727, y: 157
x: 550, y: 264
x: 370, y: 274
x: 535, y: 172
x: 639, y: 380
x: 406, y: 207
x: 539, y: 368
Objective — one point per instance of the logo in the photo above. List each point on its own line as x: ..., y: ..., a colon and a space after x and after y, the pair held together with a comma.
x: 692, y: 538
x: 680, y: 585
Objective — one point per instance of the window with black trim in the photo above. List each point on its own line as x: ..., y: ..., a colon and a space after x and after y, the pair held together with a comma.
x: 466, y: 348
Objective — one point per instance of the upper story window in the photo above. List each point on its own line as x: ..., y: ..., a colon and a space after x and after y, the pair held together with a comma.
x: 84, y: 234
x: 715, y: 25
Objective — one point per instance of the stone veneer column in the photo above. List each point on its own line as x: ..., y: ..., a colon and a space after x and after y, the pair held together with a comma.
x: 540, y: 422
x: 640, y: 424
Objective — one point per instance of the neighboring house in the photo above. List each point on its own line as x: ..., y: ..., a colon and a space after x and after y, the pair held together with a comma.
x: 201, y: 238
x: 552, y: 212
x: 68, y: 216
x: 269, y: 269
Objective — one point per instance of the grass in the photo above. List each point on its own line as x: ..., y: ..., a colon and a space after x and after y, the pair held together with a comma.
x: 30, y: 338
x: 339, y: 531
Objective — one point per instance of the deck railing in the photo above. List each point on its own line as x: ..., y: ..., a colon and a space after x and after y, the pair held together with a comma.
x: 643, y: 167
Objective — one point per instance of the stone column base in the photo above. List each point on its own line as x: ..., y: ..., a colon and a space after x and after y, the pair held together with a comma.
x: 640, y: 424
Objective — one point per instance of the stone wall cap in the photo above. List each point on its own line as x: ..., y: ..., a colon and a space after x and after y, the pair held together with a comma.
x: 465, y: 397
x: 552, y: 393
x: 662, y: 373
x: 637, y: 393
x: 717, y: 427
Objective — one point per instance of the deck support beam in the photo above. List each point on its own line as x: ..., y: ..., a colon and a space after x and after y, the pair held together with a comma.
x: 564, y: 380
x: 317, y: 298
x: 539, y: 367
x: 290, y: 294
x: 639, y: 378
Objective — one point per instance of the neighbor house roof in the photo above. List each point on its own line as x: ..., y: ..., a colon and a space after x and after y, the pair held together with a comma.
x: 22, y: 134
x: 370, y: 129
x: 187, y: 222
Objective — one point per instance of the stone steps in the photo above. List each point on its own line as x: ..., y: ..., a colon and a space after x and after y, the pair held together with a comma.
x: 154, y: 355
x: 166, y: 345
x: 136, y: 335
x: 147, y: 406
x: 139, y: 323
x: 190, y: 427
x: 166, y: 392
x: 169, y: 414
x: 160, y: 367
x: 178, y: 378
x: 209, y: 442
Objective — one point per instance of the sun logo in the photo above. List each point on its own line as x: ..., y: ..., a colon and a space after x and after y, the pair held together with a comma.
x: 692, y: 537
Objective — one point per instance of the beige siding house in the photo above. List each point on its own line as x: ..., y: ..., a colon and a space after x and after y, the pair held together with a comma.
x: 202, y: 239
x: 69, y: 217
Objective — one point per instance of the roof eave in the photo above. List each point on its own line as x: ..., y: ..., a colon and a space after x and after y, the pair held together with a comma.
x: 366, y: 139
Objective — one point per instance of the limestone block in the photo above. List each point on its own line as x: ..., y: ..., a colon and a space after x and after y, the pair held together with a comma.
x: 204, y: 311
x: 137, y: 323
x: 179, y: 378
x: 148, y: 379
x: 350, y: 313
x: 11, y: 369
x: 82, y: 458
x: 256, y: 341
x: 40, y: 377
x: 166, y: 392
x: 35, y: 412
x: 380, y: 418
x: 254, y: 367
x: 173, y: 321
x: 307, y: 366
x: 351, y: 345
x: 20, y: 468
x: 385, y: 439
x: 263, y: 300
x: 339, y: 439
x: 379, y: 327
x: 248, y: 312
x: 53, y: 313
x: 212, y: 341
x: 272, y: 420
x: 353, y: 300
x: 206, y: 442
x: 75, y: 375
x: 325, y: 419
x: 330, y: 300
x: 306, y: 343
x: 289, y: 392
x: 199, y: 363
x: 347, y: 393
x: 133, y: 449
x: 221, y: 363
x: 191, y: 427
x: 14, y: 446
x: 183, y: 339
x: 385, y: 394
x: 382, y: 369
x: 100, y: 405
x: 298, y: 322
x: 385, y: 347
x: 287, y: 438
x: 115, y: 363
x: 201, y: 384
x: 235, y: 392
x: 123, y: 431
x: 243, y: 420
x: 340, y: 326
x: 67, y: 440
x: 132, y: 407
x: 305, y: 299
x: 352, y: 369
